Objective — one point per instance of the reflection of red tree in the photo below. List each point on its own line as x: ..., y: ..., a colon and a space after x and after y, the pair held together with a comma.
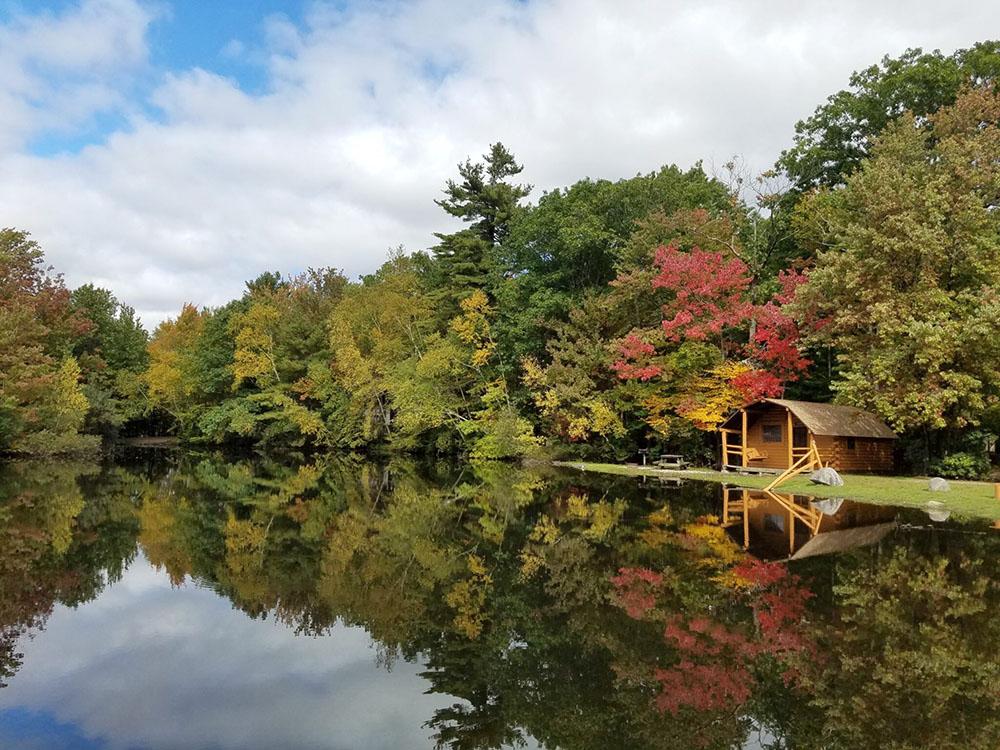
x: 636, y: 589
x: 715, y: 667
x: 778, y: 599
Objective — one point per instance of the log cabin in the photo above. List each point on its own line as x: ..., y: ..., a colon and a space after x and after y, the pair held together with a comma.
x: 772, y: 434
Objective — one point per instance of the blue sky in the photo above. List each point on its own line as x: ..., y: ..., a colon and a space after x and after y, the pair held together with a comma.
x: 22, y: 728
x: 200, y: 34
x: 223, y: 36
x: 169, y: 150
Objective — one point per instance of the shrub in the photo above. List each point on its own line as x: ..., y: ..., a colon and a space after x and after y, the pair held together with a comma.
x: 961, y: 465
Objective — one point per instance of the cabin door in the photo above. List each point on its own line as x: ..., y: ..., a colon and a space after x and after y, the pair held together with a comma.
x: 800, y: 441
x: 800, y: 436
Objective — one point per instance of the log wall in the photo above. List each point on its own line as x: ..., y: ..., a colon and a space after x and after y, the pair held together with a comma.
x: 868, y: 455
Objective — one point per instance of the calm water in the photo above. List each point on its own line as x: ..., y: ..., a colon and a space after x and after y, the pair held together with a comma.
x: 176, y: 600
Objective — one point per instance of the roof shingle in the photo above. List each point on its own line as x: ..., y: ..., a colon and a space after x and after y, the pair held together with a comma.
x: 833, y: 419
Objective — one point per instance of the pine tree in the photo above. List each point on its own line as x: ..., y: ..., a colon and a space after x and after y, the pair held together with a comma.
x: 486, y: 201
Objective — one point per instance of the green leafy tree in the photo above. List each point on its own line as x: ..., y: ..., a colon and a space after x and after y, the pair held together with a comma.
x: 379, y: 333
x: 112, y: 355
x: 273, y: 352
x: 906, y: 286
x: 838, y: 136
x: 575, y: 240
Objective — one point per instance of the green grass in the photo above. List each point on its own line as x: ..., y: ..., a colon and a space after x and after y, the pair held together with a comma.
x: 974, y: 499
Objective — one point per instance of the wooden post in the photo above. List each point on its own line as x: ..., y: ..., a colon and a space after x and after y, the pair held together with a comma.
x: 788, y: 436
x: 791, y: 532
x: 725, y: 448
x: 743, y: 448
x: 746, y: 519
x: 996, y: 491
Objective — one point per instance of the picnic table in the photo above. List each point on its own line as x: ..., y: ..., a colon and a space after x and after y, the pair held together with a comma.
x: 671, y: 461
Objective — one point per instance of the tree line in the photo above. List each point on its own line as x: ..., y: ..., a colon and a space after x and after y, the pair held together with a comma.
x: 604, y: 317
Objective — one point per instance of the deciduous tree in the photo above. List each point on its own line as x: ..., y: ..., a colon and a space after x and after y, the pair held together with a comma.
x: 906, y: 286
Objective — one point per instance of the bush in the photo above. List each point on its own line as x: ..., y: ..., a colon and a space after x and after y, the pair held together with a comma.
x: 49, y: 443
x: 961, y: 465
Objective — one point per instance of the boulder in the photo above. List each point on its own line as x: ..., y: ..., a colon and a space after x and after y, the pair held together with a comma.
x: 826, y: 476
x: 937, y: 484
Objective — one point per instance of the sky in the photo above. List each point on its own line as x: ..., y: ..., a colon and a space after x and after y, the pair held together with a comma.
x: 170, y: 150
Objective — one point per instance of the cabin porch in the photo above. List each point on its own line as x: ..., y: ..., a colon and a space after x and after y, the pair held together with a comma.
x: 764, y: 438
x: 752, y: 470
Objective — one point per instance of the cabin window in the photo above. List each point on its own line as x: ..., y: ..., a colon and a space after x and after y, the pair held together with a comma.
x: 851, y: 444
x: 772, y: 433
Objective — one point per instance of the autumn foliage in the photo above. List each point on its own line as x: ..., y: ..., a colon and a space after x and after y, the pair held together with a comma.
x: 709, y: 302
x: 709, y: 293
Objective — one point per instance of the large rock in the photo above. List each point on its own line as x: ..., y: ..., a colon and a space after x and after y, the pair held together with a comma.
x: 937, y: 484
x: 826, y: 476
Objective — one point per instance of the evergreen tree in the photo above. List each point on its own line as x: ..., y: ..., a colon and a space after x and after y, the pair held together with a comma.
x: 486, y: 200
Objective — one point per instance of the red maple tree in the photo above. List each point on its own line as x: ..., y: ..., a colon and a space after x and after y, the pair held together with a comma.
x: 709, y: 294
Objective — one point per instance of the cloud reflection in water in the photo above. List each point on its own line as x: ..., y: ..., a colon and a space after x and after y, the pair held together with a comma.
x: 148, y: 666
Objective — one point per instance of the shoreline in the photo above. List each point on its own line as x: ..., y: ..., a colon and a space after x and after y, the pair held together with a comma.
x: 968, y: 499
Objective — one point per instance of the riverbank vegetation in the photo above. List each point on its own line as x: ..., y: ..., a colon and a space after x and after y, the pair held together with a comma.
x: 70, y: 362
x: 601, y: 318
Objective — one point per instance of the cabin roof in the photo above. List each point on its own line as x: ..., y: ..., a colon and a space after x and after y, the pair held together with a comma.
x: 841, y: 540
x: 833, y: 419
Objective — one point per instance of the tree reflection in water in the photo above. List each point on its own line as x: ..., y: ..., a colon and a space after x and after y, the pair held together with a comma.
x: 580, y: 612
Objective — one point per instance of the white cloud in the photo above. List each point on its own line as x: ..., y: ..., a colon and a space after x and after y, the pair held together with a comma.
x: 56, y: 71
x: 367, y: 111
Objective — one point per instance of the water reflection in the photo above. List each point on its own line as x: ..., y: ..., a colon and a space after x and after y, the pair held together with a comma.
x: 148, y: 666
x: 205, y: 602
x: 775, y: 525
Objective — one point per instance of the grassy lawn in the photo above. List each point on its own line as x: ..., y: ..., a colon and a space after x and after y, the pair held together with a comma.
x: 971, y: 499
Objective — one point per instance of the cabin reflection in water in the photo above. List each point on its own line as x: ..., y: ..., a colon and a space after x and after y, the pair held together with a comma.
x: 777, y: 525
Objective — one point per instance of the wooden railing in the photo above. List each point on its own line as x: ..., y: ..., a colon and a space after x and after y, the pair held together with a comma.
x: 731, y: 452
x: 808, y: 461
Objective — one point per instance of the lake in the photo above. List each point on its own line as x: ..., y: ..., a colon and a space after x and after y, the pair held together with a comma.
x: 172, y: 599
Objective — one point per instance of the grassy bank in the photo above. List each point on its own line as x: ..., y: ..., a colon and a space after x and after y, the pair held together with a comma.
x: 964, y: 499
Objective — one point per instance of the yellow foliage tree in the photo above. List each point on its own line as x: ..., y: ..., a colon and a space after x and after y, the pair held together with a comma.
x: 473, y: 327
x: 168, y: 379
x: 253, y: 358
x: 709, y: 399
